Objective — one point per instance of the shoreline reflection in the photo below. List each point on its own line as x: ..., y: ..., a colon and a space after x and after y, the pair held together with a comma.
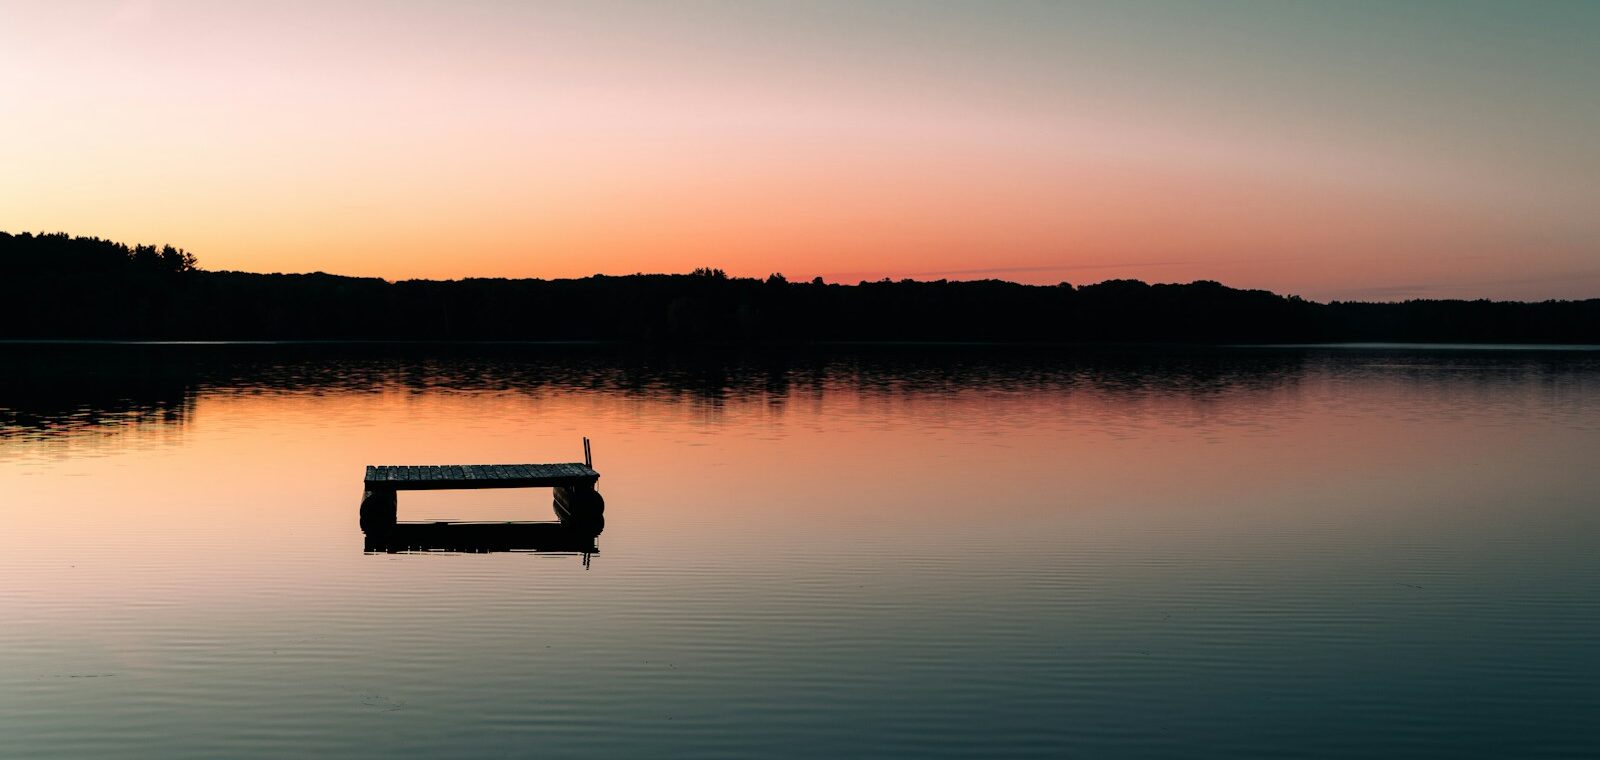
x: 68, y: 392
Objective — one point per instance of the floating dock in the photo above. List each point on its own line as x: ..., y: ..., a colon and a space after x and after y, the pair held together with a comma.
x: 455, y: 476
x: 574, y: 484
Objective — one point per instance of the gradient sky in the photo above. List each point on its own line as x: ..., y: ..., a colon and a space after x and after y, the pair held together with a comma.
x: 1335, y: 150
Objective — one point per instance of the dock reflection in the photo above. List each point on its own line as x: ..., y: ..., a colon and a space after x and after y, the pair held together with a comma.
x: 570, y: 537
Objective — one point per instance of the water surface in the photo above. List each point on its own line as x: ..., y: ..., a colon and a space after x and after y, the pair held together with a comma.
x: 1290, y: 552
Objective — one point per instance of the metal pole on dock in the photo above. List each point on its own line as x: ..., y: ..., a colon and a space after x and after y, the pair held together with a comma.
x: 587, y: 460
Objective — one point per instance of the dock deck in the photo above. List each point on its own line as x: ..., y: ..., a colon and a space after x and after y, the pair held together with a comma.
x: 459, y: 476
x: 576, y: 502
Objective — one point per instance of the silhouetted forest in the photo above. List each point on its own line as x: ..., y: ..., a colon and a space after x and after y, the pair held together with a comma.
x: 58, y: 286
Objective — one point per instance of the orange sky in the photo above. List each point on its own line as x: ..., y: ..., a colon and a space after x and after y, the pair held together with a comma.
x: 1352, y: 152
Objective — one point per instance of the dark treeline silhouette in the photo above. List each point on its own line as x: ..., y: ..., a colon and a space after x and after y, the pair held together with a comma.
x: 56, y: 286
x: 57, y: 253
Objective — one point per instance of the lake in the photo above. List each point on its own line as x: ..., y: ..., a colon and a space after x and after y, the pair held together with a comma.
x: 851, y: 552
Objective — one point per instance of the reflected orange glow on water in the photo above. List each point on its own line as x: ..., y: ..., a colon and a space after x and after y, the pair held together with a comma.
x: 839, y: 450
x: 877, y: 537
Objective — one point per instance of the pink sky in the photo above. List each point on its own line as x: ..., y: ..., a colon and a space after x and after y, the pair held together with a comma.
x: 1336, y: 155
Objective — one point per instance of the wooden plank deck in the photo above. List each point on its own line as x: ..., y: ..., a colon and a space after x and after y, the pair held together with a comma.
x: 440, y: 477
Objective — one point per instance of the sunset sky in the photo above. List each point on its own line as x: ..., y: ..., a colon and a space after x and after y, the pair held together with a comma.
x: 1383, y: 150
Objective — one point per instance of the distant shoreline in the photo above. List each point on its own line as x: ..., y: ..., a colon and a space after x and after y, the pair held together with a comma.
x: 61, y: 288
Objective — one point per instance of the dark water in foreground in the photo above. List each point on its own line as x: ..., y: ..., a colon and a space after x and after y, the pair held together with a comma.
x: 1270, y: 553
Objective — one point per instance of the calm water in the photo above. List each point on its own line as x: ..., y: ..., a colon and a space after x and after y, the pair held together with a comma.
x: 1294, y: 552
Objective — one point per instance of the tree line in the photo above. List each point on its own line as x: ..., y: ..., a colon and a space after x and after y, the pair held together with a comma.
x: 56, y: 286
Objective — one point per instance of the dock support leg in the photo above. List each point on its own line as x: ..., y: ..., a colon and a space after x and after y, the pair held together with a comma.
x: 578, y: 502
x: 379, y: 510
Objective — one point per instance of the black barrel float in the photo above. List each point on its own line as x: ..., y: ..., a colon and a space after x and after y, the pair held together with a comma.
x: 578, y: 502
